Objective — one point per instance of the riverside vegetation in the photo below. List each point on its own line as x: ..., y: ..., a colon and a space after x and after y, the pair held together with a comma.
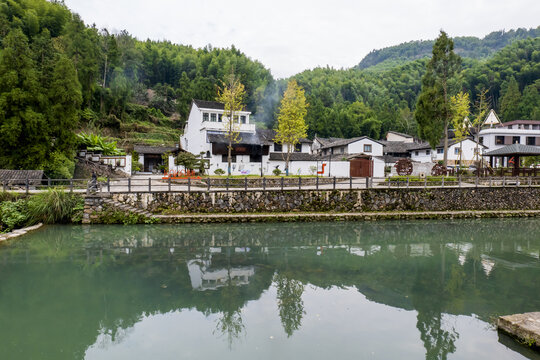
x: 50, y: 207
x: 59, y: 77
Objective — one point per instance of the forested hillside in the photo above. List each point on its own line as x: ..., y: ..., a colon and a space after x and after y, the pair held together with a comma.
x: 59, y: 76
x: 465, y: 46
x: 357, y: 102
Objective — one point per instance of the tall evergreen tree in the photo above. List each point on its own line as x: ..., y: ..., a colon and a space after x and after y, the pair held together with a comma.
x: 23, y: 125
x: 529, y: 106
x: 433, y: 110
x: 510, y: 99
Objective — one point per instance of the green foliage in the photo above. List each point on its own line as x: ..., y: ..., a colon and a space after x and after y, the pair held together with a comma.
x: 94, y: 142
x: 13, y: 215
x: 219, y: 172
x: 465, y: 46
x: 433, y: 110
x: 111, y: 216
x: 276, y: 172
x: 59, y: 166
x: 187, y: 160
x: 53, y: 206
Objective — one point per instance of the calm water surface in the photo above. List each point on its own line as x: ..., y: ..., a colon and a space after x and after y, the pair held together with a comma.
x: 381, y: 290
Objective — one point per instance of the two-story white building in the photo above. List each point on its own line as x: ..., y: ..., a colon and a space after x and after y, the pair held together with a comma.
x: 205, y: 134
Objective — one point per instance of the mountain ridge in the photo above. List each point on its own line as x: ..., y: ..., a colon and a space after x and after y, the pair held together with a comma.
x: 465, y: 46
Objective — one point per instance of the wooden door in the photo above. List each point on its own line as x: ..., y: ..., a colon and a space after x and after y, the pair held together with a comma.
x: 361, y: 168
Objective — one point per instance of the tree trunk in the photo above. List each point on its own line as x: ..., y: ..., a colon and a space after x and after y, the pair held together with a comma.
x: 288, y: 159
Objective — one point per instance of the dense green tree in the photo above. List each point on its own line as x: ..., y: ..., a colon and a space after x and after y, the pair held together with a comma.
x: 510, y: 99
x: 434, y: 112
x: 22, y: 122
x: 529, y: 106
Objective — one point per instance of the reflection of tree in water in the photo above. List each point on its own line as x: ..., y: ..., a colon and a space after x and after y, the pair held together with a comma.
x: 430, y: 296
x: 437, y: 341
x: 230, y: 324
x: 290, y: 303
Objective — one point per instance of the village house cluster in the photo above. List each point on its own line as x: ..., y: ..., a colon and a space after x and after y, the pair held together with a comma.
x: 256, y: 152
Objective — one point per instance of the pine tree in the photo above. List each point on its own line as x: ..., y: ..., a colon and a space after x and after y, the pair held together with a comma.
x: 433, y: 110
x: 291, y: 124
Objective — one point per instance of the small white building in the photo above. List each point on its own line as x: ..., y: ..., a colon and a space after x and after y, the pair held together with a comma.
x: 424, y: 153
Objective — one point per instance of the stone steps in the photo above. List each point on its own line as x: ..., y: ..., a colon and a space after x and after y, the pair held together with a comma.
x: 126, y: 207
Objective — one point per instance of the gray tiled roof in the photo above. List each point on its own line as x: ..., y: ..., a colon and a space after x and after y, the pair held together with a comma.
x: 20, y: 176
x: 295, y: 156
x: 215, y: 105
x: 515, y: 149
x: 260, y: 137
x: 399, y: 147
x: 343, y: 142
x: 146, y: 149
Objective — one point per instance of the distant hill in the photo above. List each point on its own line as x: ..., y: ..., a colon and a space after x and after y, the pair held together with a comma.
x: 466, y: 46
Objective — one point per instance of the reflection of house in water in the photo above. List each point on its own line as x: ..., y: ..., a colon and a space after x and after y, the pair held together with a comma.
x: 203, y: 277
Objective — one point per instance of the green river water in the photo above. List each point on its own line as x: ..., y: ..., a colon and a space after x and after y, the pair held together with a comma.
x: 353, y: 290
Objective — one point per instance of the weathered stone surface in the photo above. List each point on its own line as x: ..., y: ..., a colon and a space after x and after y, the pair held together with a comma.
x: 240, y: 201
x: 19, y: 232
x: 526, y: 327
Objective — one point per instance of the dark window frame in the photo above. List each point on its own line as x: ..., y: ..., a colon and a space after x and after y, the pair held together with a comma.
x: 368, y: 148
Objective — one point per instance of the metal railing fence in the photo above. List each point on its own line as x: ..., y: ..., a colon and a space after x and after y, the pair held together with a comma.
x: 209, y: 184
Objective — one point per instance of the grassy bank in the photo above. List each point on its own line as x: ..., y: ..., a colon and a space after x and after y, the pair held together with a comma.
x: 51, y: 207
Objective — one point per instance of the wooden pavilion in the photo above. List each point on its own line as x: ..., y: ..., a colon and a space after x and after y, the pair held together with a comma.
x: 513, y: 154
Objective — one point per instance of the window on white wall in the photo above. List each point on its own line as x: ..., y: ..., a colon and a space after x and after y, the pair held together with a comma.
x: 213, y: 117
x: 440, y: 151
x: 205, y: 116
x: 456, y: 151
x: 367, y: 148
x: 428, y: 152
x: 243, y: 119
x: 220, y: 118
x: 416, y: 153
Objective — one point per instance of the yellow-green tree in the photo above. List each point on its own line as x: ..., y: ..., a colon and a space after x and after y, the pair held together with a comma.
x: 481, y: 108
x: 460, y: 121
x: 291, y: 124
x: 231, y: 94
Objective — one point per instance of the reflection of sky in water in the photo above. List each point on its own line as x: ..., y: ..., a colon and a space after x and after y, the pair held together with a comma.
x: 381, y: 290
x: 339, y: 324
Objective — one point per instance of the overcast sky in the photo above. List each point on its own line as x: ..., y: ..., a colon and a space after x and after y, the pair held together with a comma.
x: 289, y: 36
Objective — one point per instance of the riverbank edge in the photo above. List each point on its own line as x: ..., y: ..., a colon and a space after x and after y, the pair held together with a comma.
x: 362, y: 216
x: 19, y: 232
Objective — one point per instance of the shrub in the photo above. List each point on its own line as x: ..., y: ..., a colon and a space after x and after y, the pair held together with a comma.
x: 59, y: 166
x: 276, y: 172
x: 52, y: 206
x: 219, y: 172
x: 13, y: 214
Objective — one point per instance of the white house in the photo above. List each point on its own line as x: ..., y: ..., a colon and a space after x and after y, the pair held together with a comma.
x: 205, y: 133
x: 355, y: 151
x: 526, y: 132
x: 424, y: 153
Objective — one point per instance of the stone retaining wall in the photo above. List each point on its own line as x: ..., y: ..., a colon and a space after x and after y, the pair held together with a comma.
x: 438, y: 199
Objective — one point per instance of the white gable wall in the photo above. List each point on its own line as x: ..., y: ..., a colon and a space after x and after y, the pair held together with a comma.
x: 357, y: 147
